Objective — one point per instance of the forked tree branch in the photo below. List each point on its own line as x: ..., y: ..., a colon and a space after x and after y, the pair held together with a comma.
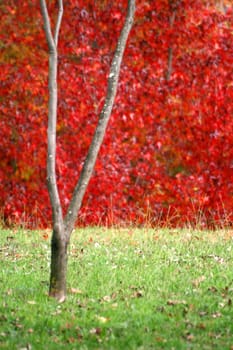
x: 89, y: 163
x: 52, y: 115
x: 59, y: 19
x: 47, y: 25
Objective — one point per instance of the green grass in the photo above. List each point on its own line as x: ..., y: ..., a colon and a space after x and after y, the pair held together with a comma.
x: 128, y: 289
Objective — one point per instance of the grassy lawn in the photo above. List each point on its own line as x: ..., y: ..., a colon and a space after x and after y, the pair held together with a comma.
x: 128, y: 289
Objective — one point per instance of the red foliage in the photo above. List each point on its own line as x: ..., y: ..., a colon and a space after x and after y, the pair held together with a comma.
x: 168, y: 152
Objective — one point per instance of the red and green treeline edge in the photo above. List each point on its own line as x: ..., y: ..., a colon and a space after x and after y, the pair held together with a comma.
x: 168, y: 153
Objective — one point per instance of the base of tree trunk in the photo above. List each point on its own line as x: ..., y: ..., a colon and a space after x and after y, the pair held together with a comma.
x: 59, y: 296
x: 57, y: 288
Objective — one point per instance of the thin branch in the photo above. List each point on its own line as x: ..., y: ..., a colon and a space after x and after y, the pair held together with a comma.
x: 52, y: 114
x: 59, y: 19
x: 89, y: 164
x: 47, y: 25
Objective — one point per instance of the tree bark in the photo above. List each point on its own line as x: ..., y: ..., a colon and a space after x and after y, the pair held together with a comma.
x: 57, y: 288
x: 59, y: 241
x: 62, y: 229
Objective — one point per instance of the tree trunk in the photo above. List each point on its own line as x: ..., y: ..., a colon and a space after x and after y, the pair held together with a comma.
x: 62, y: 229
x: 58, y: 268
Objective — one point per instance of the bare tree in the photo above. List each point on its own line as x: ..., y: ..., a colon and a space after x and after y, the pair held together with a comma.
x: 63, y: 227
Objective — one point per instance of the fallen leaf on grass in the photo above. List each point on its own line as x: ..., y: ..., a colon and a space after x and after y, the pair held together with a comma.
x: 114, y: 305
x: 106, y: 298
x: 219, y: 259
x: 31, y: 302
x: 17, y: 256
x: 198, y: 280
x: 57, y: 312
x: 203, y: 313
x: 45, y: 234
x: 212, y: 289
x: 18, y: 325
x: 176, y: 302
x: 102, y: 319
x: 190, y: 337
x: 95, y: 331
x: 138, y: 293
x: 27, y: 347
x: 161, y: 340
x: 226, y: 290
x: 81, y: 304
x: 201, y: 326
x: 214, y: 335
x: 222, y: 304
x: 75, y: 291
x: 216, y: 258
x: 10, y: 238
x: 71, y: 340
